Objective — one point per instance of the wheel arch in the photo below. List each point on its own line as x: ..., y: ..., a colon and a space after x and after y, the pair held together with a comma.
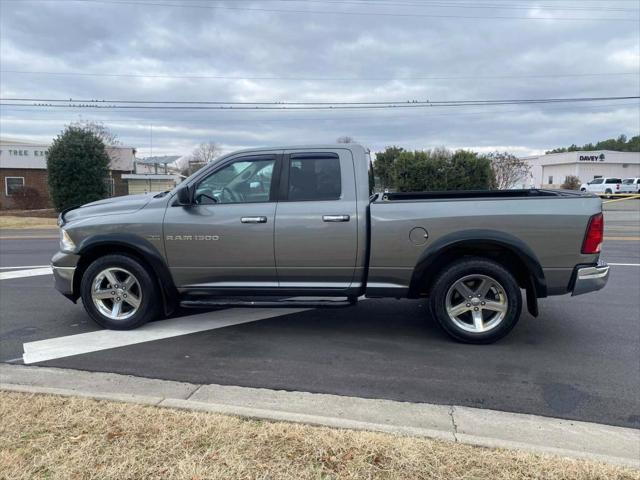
x: 136, y: 247
x: 506, y: 249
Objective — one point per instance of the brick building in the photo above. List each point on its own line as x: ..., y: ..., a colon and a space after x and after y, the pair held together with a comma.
x: 24, y: 164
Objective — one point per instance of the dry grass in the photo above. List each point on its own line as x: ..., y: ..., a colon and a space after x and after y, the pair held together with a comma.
x: 43, y: 436
x: 9, y: 221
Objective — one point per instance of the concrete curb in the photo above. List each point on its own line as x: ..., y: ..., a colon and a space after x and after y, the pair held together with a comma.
x: 488, y: 428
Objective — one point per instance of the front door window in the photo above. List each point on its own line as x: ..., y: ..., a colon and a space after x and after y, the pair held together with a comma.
x: 244, y: 181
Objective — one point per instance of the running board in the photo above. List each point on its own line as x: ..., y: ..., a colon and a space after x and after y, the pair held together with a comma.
x: 285, y: 302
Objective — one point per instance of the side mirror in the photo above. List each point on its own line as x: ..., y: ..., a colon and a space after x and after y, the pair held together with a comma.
x: 184, y: 196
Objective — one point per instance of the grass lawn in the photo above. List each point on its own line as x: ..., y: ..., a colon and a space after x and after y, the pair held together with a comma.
x: 7, y: 221
x: 46, y: 436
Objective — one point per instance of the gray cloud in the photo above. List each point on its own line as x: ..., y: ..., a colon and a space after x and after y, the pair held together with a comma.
x: 369, y: 58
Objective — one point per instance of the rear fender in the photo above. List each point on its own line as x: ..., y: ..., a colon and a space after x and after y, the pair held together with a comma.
x: 476, y: 242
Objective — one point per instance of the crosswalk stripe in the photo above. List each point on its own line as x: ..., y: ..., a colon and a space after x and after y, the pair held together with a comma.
x: 60, y: 347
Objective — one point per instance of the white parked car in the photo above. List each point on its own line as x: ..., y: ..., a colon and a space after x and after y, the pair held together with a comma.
x: 630, y: 185
x: 606, y: 185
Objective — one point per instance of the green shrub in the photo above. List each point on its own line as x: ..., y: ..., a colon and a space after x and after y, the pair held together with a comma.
x: 77, y: 166
x: 432, y: 170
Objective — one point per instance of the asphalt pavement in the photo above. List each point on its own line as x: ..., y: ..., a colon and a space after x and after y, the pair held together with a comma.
x: 580, y: 359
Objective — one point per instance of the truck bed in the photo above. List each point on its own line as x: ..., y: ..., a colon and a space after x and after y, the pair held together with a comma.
x: 493, y: 194
x: 551, y: 223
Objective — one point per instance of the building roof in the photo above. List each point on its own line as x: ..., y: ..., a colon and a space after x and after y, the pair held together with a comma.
x: 149, y: 176
x: 160, y: 160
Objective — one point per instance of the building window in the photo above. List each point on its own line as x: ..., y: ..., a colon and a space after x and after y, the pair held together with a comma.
x: 110, y: 184
x: 550, y: 179
x: 11, y: 184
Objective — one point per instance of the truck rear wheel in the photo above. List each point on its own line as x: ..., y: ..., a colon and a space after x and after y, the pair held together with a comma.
x: 476, y: 300
x: 119, y: 293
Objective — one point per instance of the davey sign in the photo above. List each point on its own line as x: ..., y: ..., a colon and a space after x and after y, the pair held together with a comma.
x: 591, y: 158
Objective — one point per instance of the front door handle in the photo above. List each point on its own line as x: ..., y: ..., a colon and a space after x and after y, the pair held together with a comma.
x: 253, y: 219
x: 335, y: 218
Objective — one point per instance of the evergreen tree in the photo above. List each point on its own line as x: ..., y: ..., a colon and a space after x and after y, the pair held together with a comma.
x: 77, y: 166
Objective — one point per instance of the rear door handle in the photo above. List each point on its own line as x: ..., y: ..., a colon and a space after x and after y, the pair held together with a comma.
x: 253, y: 219
x: 335, y: 218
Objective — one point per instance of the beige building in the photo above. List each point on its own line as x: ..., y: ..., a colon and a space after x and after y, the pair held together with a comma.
x: 550, y: 170
x: 150, y: 182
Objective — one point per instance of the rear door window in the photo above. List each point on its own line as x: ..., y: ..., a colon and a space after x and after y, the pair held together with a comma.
x: 613, y: 180
x: 314, y: 178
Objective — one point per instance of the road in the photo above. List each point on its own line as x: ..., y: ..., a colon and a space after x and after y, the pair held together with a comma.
x: 578, y: 360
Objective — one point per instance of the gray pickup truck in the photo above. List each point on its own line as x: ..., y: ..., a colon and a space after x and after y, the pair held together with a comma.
x: 267, y: 226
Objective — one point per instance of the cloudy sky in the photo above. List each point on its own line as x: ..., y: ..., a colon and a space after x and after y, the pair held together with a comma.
x: 324, y: 51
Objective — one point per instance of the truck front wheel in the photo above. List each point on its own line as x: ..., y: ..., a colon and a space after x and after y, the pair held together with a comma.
x: 476, y: 300
x: 119, y: 293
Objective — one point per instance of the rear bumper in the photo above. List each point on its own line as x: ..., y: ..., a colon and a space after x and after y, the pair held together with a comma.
x: 590, y: 279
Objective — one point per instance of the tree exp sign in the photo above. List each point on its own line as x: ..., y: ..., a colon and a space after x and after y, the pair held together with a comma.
x: 591, y: 158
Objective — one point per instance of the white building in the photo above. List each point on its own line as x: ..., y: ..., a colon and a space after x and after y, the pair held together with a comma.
x: 550, y: 170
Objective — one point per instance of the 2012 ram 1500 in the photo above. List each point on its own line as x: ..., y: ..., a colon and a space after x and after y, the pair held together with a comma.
x: 292, y: 221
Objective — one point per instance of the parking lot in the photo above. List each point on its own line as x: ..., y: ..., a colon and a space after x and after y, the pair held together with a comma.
x: 577, y: 360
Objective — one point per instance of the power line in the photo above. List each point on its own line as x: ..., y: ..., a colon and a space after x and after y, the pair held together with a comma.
x: 334, y: 12
x: 421, y: 114
x: 231, y: 105
x: 441, y: 4
x: 258, y: 77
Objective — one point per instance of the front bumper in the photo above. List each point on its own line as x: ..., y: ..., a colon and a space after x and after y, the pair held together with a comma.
x: 590, y: 279
x: 63, y: 279
x: 64, y: 269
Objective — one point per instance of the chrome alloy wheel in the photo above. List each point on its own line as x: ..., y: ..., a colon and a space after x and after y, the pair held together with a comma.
x: 116, y: 293
x: 476, y: 303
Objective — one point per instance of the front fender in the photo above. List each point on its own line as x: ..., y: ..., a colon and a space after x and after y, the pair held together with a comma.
x: 97, y: 245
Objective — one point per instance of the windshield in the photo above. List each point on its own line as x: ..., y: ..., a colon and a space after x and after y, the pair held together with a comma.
x: 628, y: 181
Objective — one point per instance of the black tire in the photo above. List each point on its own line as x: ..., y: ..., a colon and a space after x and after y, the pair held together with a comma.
x: 608, y: 192
x: 482, y: 267
x: 146, y: 287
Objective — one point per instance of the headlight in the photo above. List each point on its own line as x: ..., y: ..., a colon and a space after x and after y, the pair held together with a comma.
x: 66, y: 244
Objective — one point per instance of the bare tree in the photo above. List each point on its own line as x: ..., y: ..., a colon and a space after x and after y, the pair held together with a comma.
x: 99, y: 129
x: 345, y: 139
x: 508, y: 170
x: 203, y: 154
x: 571, y: 182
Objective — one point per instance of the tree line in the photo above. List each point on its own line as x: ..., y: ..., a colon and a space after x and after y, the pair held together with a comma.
x: 397, y: 169
x: 620, y: 144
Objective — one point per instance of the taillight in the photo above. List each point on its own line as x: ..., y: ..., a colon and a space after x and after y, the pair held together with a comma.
x: 617, y: 186
x: 595, y: 234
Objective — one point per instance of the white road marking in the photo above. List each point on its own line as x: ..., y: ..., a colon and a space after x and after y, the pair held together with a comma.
x: 625, y: 264
x: 33, y: 272
x: 61, y: 347
x: 23, y: 266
